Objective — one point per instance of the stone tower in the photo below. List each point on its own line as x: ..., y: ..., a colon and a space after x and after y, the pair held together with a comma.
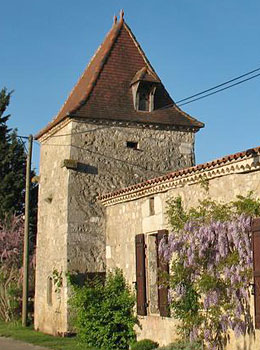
x: 119, y: 126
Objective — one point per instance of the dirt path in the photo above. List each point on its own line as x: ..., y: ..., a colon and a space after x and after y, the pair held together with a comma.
x: 11, y: 344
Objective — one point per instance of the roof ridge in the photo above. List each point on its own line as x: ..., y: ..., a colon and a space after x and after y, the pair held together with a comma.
x: 103, y: 61
x: 148, y: 63
x: 117, y: 26
x: 97, y: 73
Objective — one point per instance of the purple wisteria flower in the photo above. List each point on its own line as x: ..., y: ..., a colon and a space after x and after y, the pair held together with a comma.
x: 207, y: 334
x: 219, y: 252
x: 194, y: 334
x: 180, y: 290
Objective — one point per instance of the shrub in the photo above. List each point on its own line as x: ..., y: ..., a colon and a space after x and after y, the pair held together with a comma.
x: 104, y: 312
x: 182, y: 346
x: 145, y: 344
x: 11, y: 260
x: 11, y: 239
x: 10, y: 293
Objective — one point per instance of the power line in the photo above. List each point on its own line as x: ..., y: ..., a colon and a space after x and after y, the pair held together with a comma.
x: 225, y: 88
x: 182, y: 104
x: 215, y: 87
x: 83, y: 132
x: 107, y: 157
x: 102, y: 128
x: 219, y: 85
x: 24, y: 145
x: 23, y: 137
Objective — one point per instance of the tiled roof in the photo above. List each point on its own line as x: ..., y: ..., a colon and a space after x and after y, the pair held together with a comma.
x: 145, y: 74
x: 104, y: 91
x: 180, y: 173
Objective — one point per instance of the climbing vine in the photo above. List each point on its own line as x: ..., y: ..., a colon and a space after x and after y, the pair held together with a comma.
x: 57, y: 280
x: 211, y: 268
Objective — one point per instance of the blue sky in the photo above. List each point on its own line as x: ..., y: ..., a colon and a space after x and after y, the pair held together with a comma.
x: 193, y: 45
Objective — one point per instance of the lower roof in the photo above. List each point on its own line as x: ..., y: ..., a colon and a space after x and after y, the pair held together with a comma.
x: 139, y: 190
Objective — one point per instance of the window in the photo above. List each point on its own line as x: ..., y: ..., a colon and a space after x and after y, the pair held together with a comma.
x: 151, y: 206
x: 131, y: 144
x: 144, y: 85
x: 49, y: 291
x: 152, y: 297
x: 144, y: 99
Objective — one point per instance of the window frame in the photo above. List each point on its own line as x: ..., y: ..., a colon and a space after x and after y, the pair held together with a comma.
x: 143, y: 277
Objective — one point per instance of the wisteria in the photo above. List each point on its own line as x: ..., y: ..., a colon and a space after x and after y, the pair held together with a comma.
x: 211, y: 266
x: 11, y: 260
x: 11, y: 241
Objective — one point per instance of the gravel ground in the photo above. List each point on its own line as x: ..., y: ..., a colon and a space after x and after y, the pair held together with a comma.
x: 11, y: 344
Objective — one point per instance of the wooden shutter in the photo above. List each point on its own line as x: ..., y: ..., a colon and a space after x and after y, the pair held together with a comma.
x: 140, y: 275
x: 163, y: 266
x: 256, y: 256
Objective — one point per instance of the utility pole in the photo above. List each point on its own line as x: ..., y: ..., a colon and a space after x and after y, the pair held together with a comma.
x: 26, y: 234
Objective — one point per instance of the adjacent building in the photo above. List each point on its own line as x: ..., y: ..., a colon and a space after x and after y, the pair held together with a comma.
x: 136, y: 220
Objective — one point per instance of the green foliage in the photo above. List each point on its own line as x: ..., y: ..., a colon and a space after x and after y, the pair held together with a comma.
x: 209, y: 210
x: 176, y: 213
x: 57, y: 280
x: 145, y: 344
x: 104, y: 312
x: 28, y: 335
x: 204, y: 183
x: 12, y: 170
x: 11, y: 243
x: 182, y: 346
x: 247, y: 205
x: 10, y: 291
x: 12, y: 164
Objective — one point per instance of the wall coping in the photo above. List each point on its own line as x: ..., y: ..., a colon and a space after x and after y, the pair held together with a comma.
x: 238, y: 163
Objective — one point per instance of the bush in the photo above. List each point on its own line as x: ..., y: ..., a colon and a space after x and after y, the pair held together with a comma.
x: 145, y: 344
x: 104, y: 312
x: 182, y: 346
x: 11, y: 258
x: 10, y: 293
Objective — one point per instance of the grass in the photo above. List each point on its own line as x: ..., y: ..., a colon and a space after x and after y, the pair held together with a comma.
x: 28, y: 335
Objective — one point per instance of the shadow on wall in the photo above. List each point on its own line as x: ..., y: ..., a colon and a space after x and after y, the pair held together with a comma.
x: 79, y: 279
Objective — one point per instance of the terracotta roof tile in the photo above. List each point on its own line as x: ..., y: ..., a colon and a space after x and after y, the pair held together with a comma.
x: 104, y: 92
x: 169, y: 176
x: 145, y: 74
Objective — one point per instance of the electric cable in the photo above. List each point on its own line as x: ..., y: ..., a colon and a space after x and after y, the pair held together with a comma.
x: 215, y: 92
x: 219, y: 85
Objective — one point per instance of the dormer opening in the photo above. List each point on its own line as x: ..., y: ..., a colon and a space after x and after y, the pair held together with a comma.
x: 145, y: 97
x: 144, y: 86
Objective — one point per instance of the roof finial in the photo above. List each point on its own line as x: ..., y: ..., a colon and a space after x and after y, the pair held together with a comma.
x: 122, y: 15
x: 115, y: 19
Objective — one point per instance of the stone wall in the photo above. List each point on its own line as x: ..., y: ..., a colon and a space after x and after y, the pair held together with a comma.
x: 51, y: 249
x: 108, y: 164
x: 71, y: 226
x: 128, y: 214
